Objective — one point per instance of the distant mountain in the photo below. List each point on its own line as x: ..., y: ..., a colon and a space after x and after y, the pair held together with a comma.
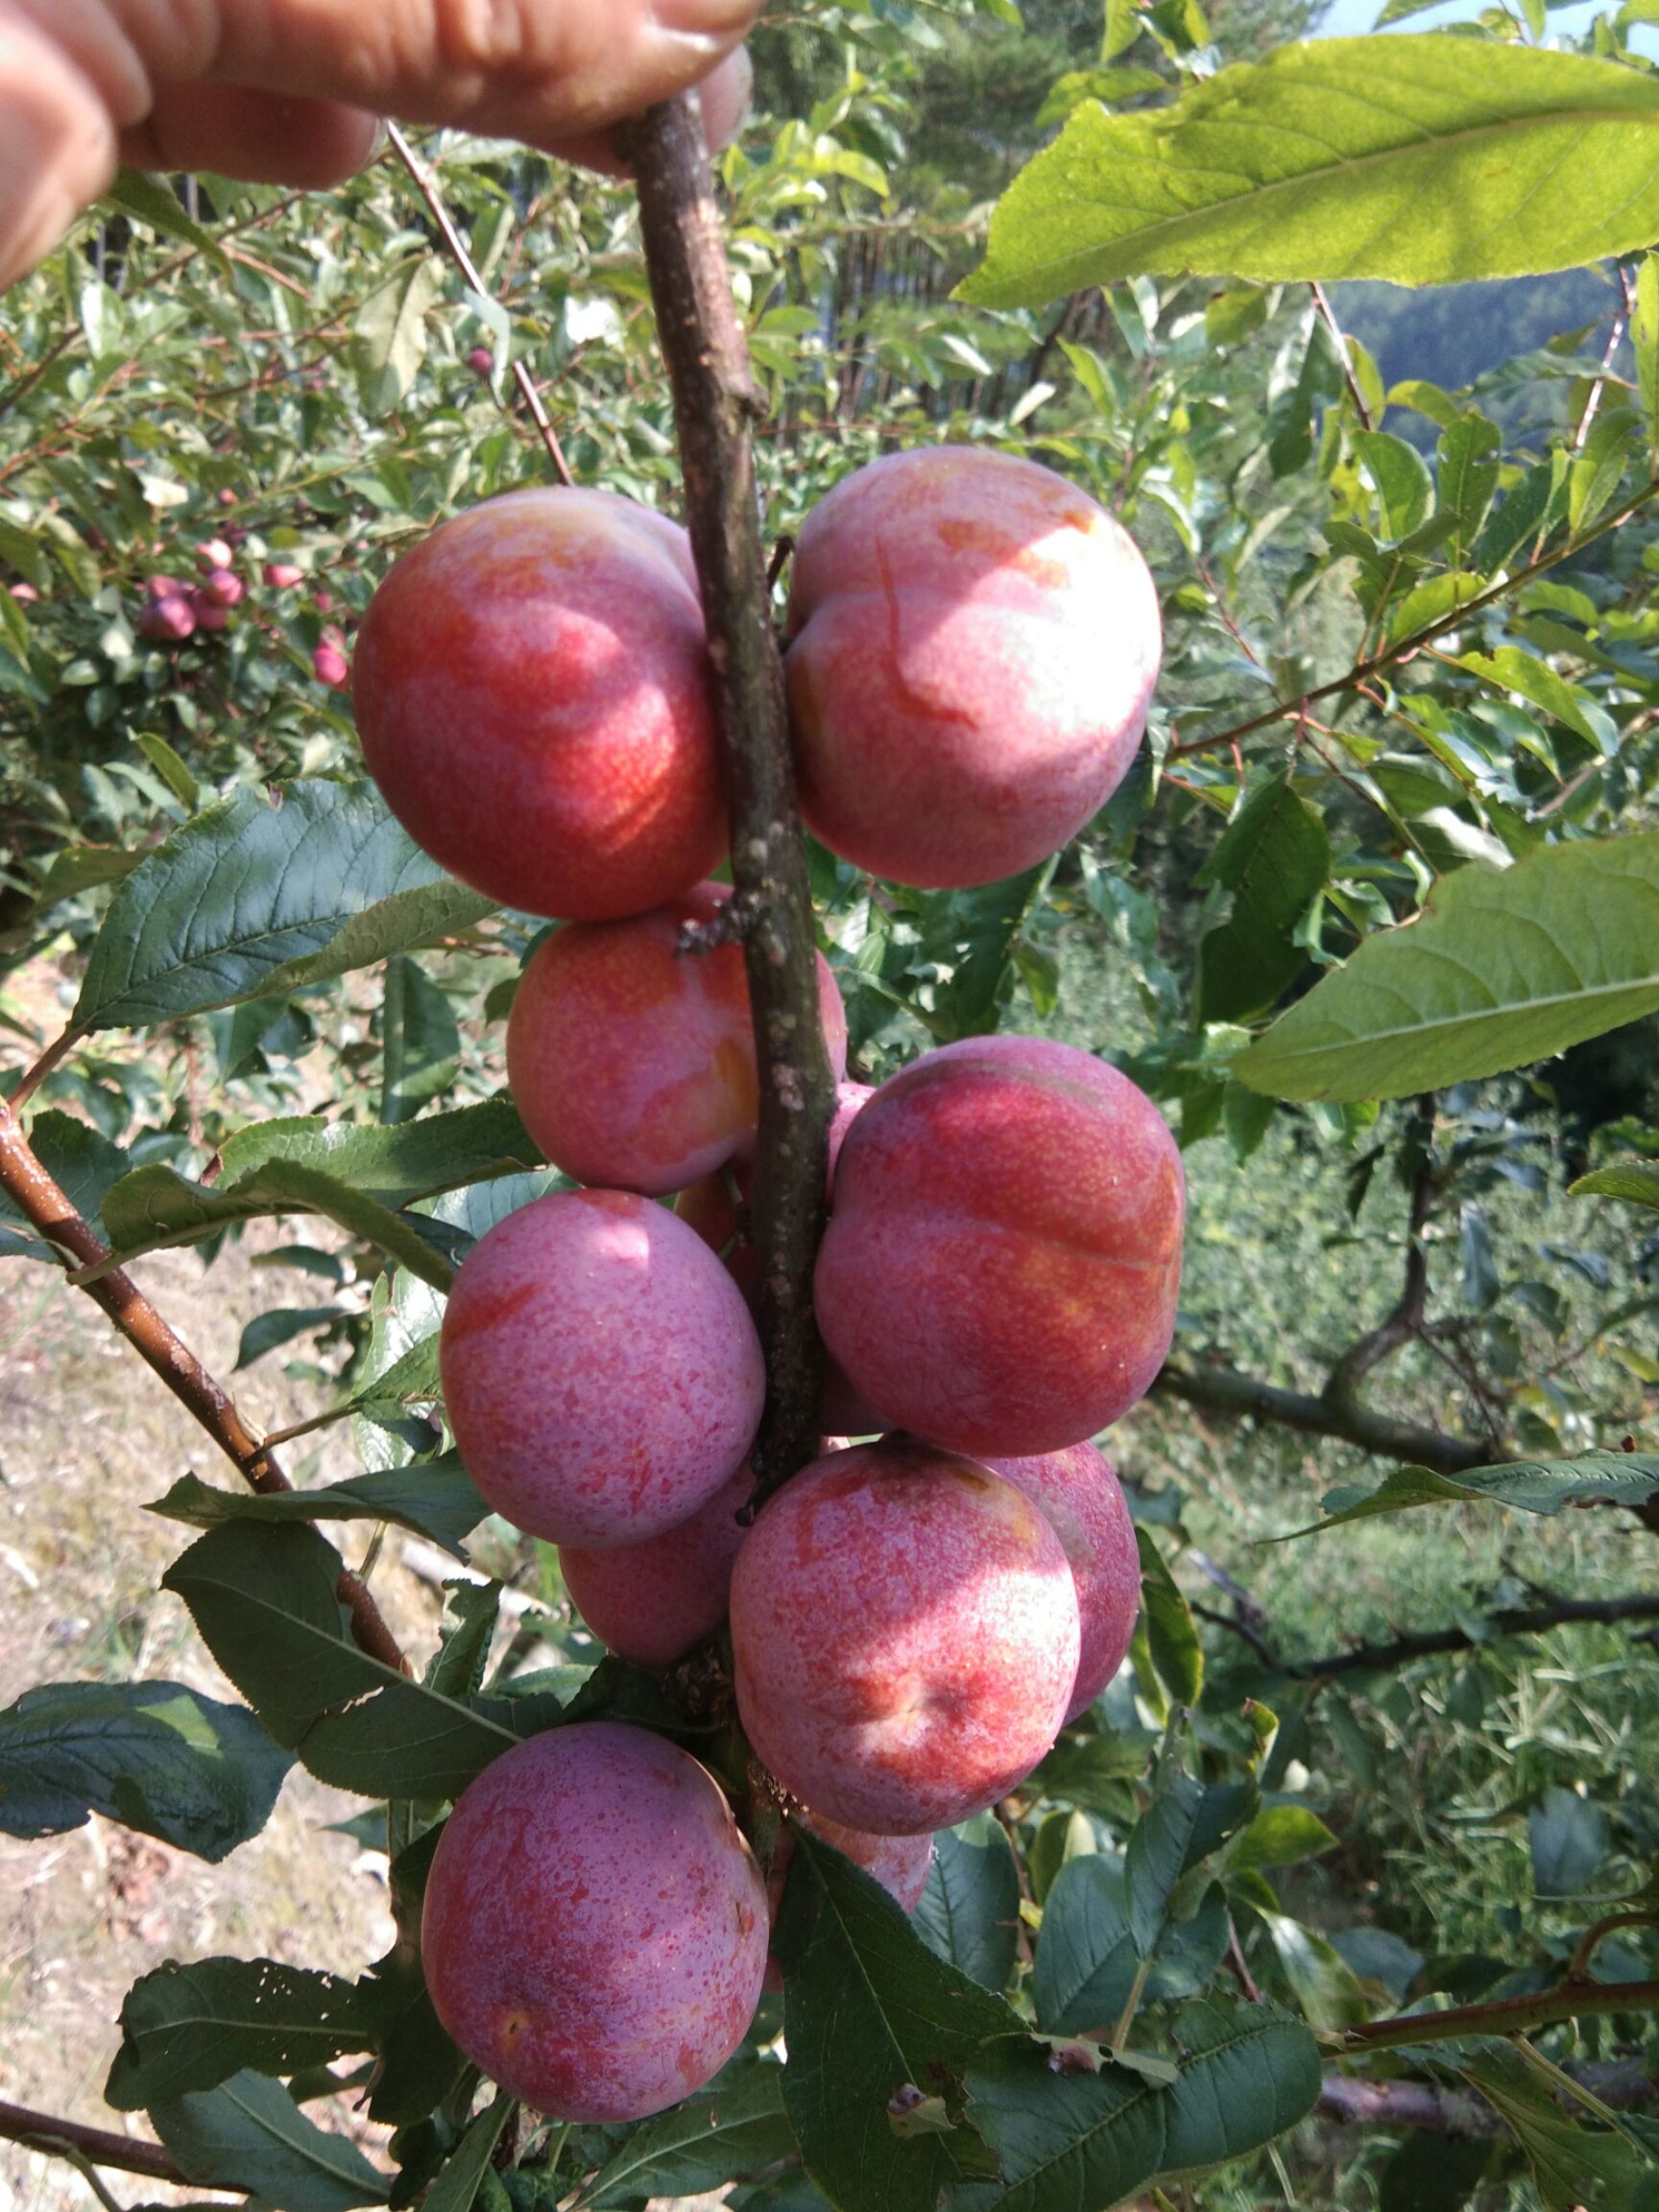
x: 1455, y: 334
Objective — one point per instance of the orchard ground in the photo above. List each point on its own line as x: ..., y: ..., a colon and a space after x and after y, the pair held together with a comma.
x: 1425, y: 1793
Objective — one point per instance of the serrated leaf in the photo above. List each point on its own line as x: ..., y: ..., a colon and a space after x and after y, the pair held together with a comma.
x: 1543, y: 1486
x: 1503, y: 967
x: 1273, y: 856
x: 870, y: 2013
x: 969, y: 1910
x: 436, y: 1497
x: 1421, y: 160
x: 456, y: 2188
x: 1571, y: 2167
x: 264, y: 1600
x: 1635, y: 1181
x: 1279, y: 1836
x: 84, y: 1165
x: 150, y: 201
x: 1170, y: 1630
x: 1087, y: 1959
x: 1327, y: 1988
x: 249, y: 2135
x: 251, y: 898
x: 185, y: 2028
x: 156, y: 1755
x: 1066, y: 2140
x: 737, y: 2127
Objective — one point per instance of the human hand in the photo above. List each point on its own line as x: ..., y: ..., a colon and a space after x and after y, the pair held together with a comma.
x: 288, y: 91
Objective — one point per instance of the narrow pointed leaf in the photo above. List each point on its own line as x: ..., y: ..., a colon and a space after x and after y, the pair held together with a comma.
x: 434, y: 1498
x: 249, y: 2135
x: 185, y: 2028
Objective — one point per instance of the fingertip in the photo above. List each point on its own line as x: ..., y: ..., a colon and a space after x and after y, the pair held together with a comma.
x: 725, y: 98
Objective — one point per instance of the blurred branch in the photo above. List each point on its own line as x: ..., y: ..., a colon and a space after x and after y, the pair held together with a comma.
x: 47, y: 1207
x: 1224, y: 1391
x: 100, y: 2146
x: 427, y: 188
x: 714, y: 403
x: 1534, y: 1620
x: 1625, y: 2084
x: 1570, y: 2000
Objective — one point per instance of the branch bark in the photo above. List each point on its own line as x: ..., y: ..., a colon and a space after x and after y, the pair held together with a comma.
x: 98, y: 2145
x: 714, y: 403
x: 1224, y: 1391
x: 48, y: 1210
x: 1625, y: 2084
x: 1570, y: 2000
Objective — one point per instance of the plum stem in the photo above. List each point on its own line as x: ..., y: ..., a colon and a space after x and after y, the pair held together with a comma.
x: 715, y: 402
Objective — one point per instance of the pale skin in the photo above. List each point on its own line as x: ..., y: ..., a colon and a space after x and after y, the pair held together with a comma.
x: 289, y: 91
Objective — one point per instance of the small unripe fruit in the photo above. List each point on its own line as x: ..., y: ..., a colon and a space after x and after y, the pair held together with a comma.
x: 283, y: 575
x: 633, y: 1063
x: 227, y: 498
x: 24, y: 594
x: 328, y: 664
x: 209, y: 614
x: 223, y: 587
x: 594, y: 1927
x: 167, y: 588
x: 1001, y: 1269
x: 213, y: 553
x: 324, y: 602
x: 481, y: 361
x: 168, y: 621
x: 904, y: 1637
x: 600, y: 1369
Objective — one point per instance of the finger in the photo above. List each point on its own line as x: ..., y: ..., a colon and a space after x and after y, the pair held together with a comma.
x: 724, y: 99
x: 267, y: 137
x: 57, y: 144
x: 545, y: 71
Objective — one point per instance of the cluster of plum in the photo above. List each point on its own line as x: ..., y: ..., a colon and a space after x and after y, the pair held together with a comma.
x: 913, y: 1619
x: 177, y: 609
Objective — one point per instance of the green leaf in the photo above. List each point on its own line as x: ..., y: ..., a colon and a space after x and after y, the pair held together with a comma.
x: 1468, y: 452
x: 457, y: 2185
x: 1645, y: 335
x: 1157, y: 1855
x: 1569, y: 1838
x: 1170, y: 1630
x: 1066, y: 2140
x: 1274, y: 854
x: 150, y: 199
x: 1511, y: 669
x: 421, y: 1042
x: 1087, y: 1959
x: 1635, y: 1181
x: 1571, y: 2167
x: 188, y: 2028
x: 264, y: 1600
x: 249, y: 2135
x: 1431, y: 2174
x: 280, y: 1325
x: 737, y: 2127
x: 1542, y: 1486
x: 970, y: 936
x: 970, y: 1911
x: 1279, y: 1836
x: 254, y: 896
x: 1405, y: 488
x: 870, y: 2012
x: 1424, y: 160
x: 436, y: 1497
x: 389, y: 335
x: 1327, y: 1988
x: 1503, y: 967
x: 173, y: 771
x: 156, y: 1755
x: 1598, y: 472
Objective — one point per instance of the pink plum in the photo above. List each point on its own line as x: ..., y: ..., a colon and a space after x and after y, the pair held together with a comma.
x: 904, y: 1636
x: 652, y: 1602
x: 633, y: 1063
x: 534, y: 697
x: 594, y: 1927
x: 1078, y: 1493
x: 975, y: 642
x: 1000, y: 1270
x: 600, y: 1369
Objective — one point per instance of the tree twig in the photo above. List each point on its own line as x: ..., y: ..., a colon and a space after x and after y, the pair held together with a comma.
x: 1508, y: 1620
x: 48, y: 1210
x: 1224, y: 1391
x: 1501, y: 2016
x: 1339, y: 339
x: 427, y: 188
x: 714, y: 401
x: 100, y: 2146
x: 1623, y: 2083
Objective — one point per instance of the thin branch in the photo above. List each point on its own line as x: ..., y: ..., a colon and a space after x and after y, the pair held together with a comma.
x: 100, y: 2146
x: 1339, y: 339
x: 1625, y: 2084
x: 1390, y: 656
x: 1224, y: 1391
x: 1578, y: 1966
x: 48, y: 1209
x: 714, y: 403
x: 1502, y: 2016
x: 464, y: 261
x: 1405, y: 1321
x: 1508, y: 1620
